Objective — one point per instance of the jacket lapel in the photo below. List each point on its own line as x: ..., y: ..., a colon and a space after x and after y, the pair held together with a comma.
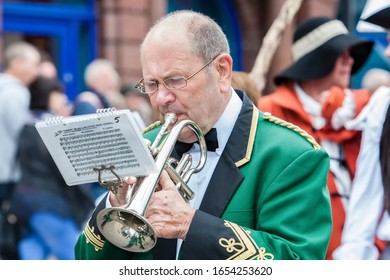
x: 237, y: 152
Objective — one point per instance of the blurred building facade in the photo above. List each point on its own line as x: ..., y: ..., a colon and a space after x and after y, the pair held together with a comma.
x: 74, y: 32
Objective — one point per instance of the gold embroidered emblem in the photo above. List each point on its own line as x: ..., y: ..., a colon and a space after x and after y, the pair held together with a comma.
x: 230, y: 245
x: 93, y: 238
x: 263, y: 255
x: 245, y: 248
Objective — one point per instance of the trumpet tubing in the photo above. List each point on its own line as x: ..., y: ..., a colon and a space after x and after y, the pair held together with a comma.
x: 126, y: 227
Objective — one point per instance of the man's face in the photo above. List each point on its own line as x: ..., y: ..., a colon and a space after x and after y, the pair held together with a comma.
x: 59, y: 105
x: 27, y: 68
x: 199, y: 100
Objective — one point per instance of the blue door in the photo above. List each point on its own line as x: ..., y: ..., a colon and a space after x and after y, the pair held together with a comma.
x: 69, y: 29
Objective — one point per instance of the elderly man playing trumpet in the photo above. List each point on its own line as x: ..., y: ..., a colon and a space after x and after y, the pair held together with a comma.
x: 261, y: 180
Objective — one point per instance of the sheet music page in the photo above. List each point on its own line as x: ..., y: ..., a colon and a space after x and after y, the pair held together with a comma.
x: 81, y: 143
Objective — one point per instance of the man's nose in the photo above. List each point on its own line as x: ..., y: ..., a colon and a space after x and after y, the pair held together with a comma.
x: 164, y: 96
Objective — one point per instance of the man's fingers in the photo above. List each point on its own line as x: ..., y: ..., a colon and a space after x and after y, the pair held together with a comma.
x: 129, y: 181
x: 166, y: 182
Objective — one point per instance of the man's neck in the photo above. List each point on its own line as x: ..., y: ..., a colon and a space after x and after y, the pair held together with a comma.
x: 221, y: 109
x: 15, y: 76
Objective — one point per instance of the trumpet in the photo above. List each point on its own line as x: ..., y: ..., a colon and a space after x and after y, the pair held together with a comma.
x: 126, y: 227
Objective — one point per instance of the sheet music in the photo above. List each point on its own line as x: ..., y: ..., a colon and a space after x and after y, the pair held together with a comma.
x: 81, y: 143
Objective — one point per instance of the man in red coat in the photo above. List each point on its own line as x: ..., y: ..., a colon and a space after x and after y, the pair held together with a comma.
x: 313, y: 94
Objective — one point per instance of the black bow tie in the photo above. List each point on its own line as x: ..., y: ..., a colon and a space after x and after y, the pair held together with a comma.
x: 211, y: 143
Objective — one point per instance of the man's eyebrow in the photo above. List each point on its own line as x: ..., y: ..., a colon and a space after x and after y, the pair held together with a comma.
x: 172, y: 74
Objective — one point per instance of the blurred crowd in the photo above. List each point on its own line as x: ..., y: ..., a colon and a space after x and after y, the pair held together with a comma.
x: 42, y: 217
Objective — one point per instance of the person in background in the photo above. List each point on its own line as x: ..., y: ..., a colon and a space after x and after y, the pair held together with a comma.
x: 103, y: 83
x: 325, y: 55
x: 50, y: 214
x: 21, y: 61
x: 138, y: 102
x: 47, y: 68
x: 369, y: 207
x: 339, y: 106
x: 20, y: 68
x: 262, y: 192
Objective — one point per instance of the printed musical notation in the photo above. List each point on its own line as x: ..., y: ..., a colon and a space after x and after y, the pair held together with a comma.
x: 80, y: 144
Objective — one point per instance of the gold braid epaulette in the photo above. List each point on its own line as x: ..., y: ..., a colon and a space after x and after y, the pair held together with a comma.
x: 269, y: 117
x: 151, y: 127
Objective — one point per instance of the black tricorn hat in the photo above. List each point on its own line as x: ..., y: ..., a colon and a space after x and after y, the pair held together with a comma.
x: 316, y: 46
x: 381, y: 18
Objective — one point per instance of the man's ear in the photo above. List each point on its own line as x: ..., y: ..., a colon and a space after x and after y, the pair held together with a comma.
x: 224, y: 68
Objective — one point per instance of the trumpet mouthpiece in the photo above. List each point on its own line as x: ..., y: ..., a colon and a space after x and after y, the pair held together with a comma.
x: 170, y: 118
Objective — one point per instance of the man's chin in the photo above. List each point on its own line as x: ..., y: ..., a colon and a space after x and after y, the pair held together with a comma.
x: 187, y: 136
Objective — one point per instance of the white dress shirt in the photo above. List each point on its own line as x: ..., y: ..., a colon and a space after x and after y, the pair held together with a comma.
x: 364, y: 214
x: 199, y: 181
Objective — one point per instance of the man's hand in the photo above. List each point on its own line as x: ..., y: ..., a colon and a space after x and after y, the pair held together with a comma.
x: 169, y: 214
x: 120, y: 199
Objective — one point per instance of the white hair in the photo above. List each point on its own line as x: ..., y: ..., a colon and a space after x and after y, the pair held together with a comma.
x: 206, y: 37
x: 97, y: 68
x: 18, y: 50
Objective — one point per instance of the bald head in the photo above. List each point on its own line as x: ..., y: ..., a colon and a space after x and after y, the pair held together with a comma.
x: 204, y: 36
x: 21, y: 60
x: 101, y: 75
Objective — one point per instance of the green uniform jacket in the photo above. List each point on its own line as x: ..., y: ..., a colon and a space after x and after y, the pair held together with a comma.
x: 267, y: 199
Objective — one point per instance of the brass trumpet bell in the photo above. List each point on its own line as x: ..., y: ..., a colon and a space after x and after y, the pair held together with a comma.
x: 127, y: 229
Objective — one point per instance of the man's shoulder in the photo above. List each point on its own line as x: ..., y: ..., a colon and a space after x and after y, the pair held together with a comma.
x: 276, y: 130
x: 8, y: 84
x: 152, y: 130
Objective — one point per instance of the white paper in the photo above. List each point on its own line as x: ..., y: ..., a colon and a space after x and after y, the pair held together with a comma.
x: 79, y: 144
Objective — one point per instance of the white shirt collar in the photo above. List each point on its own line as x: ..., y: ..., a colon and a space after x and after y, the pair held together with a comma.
x: 227, y: 121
